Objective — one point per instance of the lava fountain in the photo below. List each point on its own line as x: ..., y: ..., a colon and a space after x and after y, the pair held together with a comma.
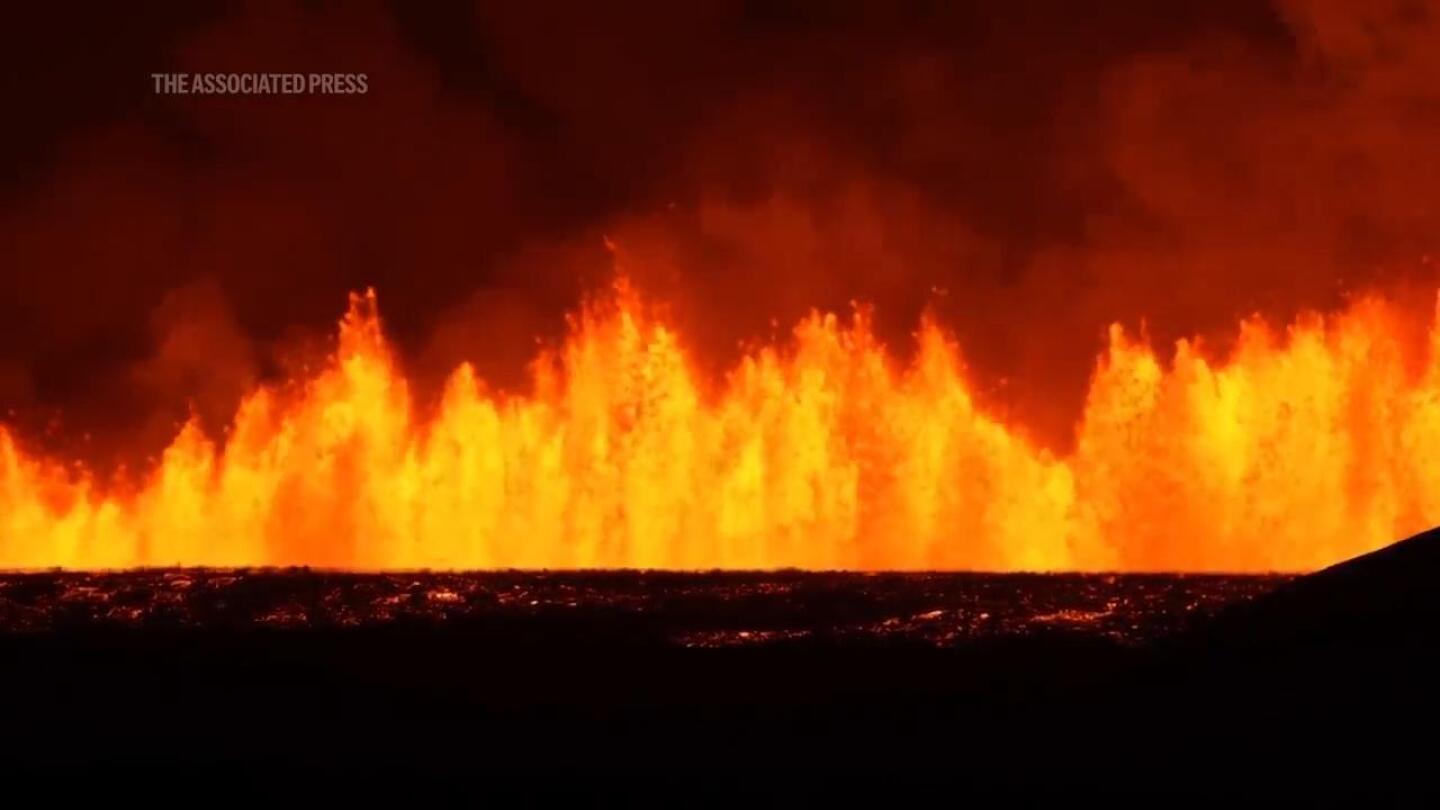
x: 1296, y: 449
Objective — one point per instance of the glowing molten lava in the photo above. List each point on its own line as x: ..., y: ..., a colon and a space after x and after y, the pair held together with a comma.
x: 1293, y: 452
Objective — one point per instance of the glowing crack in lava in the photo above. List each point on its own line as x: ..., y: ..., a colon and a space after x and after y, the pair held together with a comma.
x: 1295, y: 450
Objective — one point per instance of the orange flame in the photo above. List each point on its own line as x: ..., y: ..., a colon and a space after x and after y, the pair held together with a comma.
x: 1290, y: 454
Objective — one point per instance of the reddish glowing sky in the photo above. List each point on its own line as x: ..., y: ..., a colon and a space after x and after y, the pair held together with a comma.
x: 1032, y: 170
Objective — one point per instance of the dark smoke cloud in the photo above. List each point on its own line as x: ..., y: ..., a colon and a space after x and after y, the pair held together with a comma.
x: 1029, y: 170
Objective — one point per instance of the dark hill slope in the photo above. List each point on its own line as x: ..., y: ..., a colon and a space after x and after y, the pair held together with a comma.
x: 1387, y: 597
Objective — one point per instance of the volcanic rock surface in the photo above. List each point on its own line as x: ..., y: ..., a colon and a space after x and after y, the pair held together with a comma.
x: 1314, y: 676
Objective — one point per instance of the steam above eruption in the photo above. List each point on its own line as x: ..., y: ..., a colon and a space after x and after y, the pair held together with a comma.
x: 1295, y: 450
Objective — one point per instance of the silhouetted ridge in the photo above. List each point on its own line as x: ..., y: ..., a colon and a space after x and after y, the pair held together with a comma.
x: 1389, y: 595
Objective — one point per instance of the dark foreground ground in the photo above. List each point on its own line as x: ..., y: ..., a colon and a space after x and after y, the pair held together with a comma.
x: 1041, y: 684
